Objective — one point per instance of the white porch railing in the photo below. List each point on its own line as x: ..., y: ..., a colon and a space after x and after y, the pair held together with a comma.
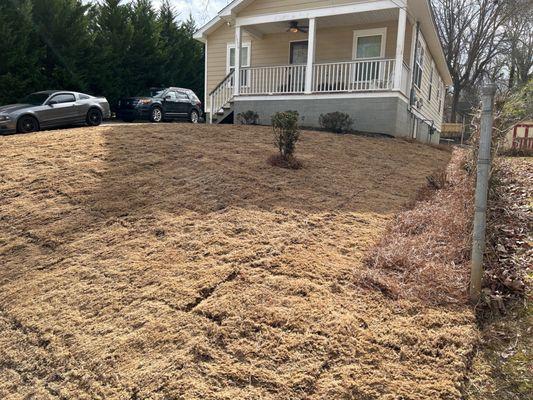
x: 347, y: 76
x: 222, y: 94
x: 286, y: 79
x: 354, y: 76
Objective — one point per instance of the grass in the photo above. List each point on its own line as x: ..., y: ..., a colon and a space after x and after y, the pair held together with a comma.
x: 172, y: 261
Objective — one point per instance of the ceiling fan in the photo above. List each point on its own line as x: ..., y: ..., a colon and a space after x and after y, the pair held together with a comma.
x: 294, y: 28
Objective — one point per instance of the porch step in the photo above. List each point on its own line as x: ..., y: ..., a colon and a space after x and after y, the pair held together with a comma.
x: 223, y: 113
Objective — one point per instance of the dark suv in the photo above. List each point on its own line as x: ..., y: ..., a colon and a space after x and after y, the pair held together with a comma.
x: 161, y: 105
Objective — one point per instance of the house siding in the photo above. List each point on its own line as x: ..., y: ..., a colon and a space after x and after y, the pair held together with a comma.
x: 333, y: 44
x: 260, y: 7
x: 430, y: 108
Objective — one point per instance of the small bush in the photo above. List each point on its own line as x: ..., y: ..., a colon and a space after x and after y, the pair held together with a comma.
x: 337, y: 122
x: 438, y: 180
x: 249, y: 117
x: 285, y: 126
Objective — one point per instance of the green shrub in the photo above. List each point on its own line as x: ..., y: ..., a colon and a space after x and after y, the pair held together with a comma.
x: 285, y: 125
x: 337, y: 122
x: 249, y: 117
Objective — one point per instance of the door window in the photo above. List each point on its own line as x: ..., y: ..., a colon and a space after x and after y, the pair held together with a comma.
x: 245, y: 61
x: 182, y: 96
x: 299, y: 52
x: 245, y: 57
x: 63, y: 98
x: 171, y: 96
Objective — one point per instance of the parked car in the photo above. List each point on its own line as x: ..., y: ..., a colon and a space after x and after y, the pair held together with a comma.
x: 161, y: 105
x: 53, y: 108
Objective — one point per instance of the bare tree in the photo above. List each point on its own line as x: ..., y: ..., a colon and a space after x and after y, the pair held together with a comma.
x: 472, y: 34
x: 518, y: 41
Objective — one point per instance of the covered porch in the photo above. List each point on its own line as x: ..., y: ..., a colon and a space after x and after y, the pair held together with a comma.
x: 340, y: 50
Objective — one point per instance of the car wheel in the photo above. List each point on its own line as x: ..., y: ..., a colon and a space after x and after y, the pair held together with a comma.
x: 194, y: 117
x: 156, y: 115
x: 27, y: 124
x: 94, y: 117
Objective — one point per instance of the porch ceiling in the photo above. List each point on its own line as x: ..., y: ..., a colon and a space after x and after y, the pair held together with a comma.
x: 363, y: 18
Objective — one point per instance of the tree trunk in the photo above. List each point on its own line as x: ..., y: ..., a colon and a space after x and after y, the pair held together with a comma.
x: 455, y: 101
x: 511, y: 76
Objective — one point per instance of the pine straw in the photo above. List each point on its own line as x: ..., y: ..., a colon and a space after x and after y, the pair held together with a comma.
x: 172, y: 262
x: 425, y: 252
x: 509, y: 232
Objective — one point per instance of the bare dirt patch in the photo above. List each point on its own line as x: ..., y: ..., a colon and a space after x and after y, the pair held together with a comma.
x: 173, y: 262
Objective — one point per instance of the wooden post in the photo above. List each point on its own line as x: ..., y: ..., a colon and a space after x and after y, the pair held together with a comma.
x: 400, y: 44
x: 310, y: 56
x: 483, y: 170
x: 237, y: 76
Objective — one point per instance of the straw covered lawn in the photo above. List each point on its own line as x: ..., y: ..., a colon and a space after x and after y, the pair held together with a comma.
x: 173, y: 262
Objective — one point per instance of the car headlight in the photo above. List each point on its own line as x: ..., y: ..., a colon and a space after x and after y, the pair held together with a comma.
x: 4, y: 118
x: 144, y: 101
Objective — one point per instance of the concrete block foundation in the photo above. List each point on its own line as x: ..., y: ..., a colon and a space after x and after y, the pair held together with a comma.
x: 382, y: 115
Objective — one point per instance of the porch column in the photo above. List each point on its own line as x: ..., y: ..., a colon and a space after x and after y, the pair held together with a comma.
x: 238, y: 45
x: 310, y: 56
x: 400, y: 44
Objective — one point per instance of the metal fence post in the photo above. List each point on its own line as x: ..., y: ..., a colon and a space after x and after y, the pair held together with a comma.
x: 483, y: 171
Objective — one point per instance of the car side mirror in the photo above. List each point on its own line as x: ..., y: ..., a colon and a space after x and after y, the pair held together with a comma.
x: 51, y: 103
x: 168, y: 97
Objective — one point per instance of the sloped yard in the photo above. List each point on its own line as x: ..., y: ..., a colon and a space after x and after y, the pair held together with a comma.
x: 172, y: 262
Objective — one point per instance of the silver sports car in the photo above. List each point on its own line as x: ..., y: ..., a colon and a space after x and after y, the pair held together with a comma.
x: 53, y: 108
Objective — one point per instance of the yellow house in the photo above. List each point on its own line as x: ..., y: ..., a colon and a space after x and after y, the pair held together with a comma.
x: 380, y: 61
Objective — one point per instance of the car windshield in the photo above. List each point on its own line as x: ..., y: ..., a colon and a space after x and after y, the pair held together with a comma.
x: 35, y: 99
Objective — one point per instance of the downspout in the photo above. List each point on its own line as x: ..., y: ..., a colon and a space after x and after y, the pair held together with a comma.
x: 415, y: 55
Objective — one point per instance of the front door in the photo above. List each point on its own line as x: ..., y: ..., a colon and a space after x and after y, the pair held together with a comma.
x: 299, y: 52
x: 298, y: 56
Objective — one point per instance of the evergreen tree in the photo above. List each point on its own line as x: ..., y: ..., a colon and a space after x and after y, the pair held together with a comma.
x: 192, y: 66
x: 112, y: 33
x: 62, y: 29
x: 112, y: 48
x: 169, y: 44
x: 144, y: 57
x: 19, y: 61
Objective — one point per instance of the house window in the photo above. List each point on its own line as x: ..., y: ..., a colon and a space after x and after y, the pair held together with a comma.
x: 245, y: 60
x: 430, y: 83
x: 419, y: 64
x: 368, y: 44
